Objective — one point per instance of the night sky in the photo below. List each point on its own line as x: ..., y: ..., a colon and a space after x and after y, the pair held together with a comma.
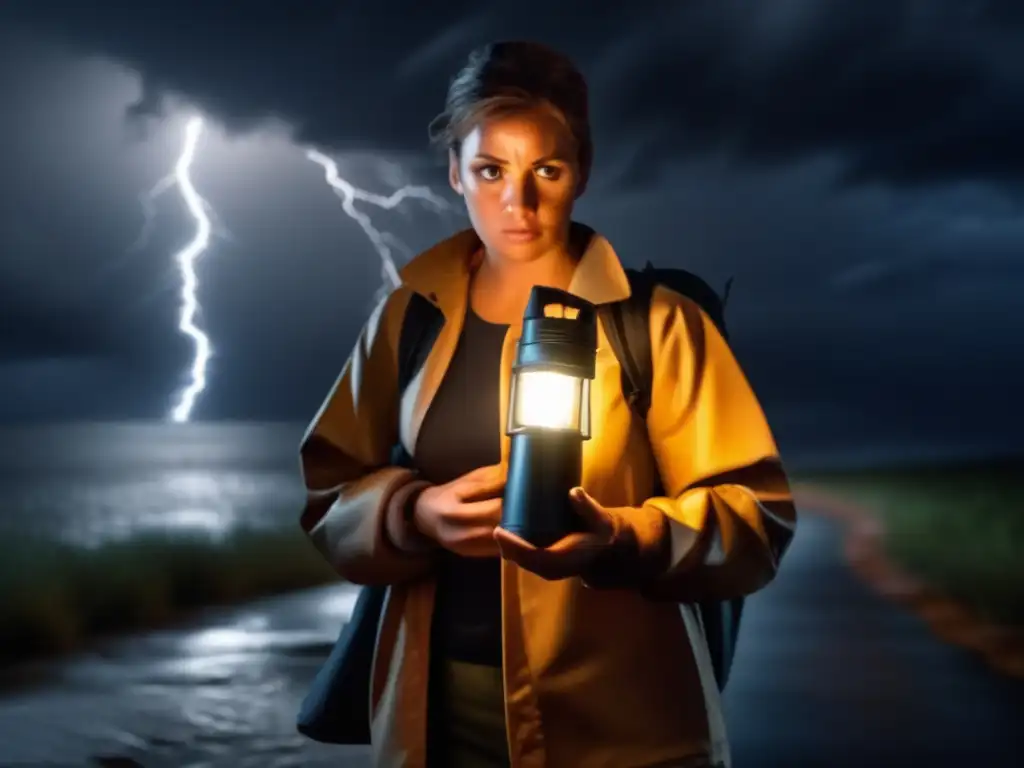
x: 856, y: 166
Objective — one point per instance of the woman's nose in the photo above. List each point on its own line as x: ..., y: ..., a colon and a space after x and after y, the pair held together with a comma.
x: 520, y: 193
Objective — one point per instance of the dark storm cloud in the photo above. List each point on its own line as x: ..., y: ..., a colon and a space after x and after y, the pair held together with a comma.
x: 865, y: 313
x: 34, y: 331
x: 904, y: 90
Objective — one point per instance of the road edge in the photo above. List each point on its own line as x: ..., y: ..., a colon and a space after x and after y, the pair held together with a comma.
x: 1001, y: 647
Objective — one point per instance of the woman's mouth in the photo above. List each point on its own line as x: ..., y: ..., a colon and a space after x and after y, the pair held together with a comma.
x: 521, y: 234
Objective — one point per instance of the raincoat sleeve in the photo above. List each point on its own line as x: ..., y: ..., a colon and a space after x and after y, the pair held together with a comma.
x: 357, y: 505
x: 728, y: 505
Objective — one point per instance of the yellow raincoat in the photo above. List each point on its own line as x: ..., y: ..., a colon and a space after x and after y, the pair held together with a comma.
x: 593, y: 678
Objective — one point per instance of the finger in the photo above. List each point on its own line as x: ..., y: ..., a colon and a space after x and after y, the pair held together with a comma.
x: 507, y: 537
x: 485, y: 480
x: 576, y: 543
x: 565, y: 558
x: 528, y: 557
x: 487, y: 512
x: 567, y: 545
x: 480, y: 547
x: 474, y: 542
x: 485, y: 486
x: 512, y: 547
x: 595, y: 516
x: 490, y: 472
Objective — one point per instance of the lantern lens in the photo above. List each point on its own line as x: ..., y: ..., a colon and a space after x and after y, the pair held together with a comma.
x: 546, y: 399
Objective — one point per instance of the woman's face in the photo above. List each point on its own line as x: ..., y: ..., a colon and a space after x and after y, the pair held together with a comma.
x: 519, y: 176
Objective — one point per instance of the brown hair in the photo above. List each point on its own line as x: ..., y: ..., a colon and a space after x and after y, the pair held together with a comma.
x: 507, y: 77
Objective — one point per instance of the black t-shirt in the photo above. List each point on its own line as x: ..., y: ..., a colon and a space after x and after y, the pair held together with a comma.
x: 461, y: 431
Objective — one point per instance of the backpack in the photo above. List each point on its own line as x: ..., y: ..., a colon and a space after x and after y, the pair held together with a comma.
x: 335, y: 709
x: 626, y: 326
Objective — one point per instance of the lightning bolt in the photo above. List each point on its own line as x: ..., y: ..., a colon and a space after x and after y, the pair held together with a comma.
x: 349, y: 194
x: 384, y: 243
x: 185, y: 259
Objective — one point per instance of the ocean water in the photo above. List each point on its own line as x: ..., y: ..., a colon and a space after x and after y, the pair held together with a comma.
x: 89, y: 483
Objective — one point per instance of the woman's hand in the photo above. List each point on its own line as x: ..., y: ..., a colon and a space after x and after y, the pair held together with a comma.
x: 573, y: 555
x: 461, y: 515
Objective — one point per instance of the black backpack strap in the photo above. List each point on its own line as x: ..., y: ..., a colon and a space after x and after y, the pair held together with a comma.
x: 696, y: 289
x: 421, y: 325
x: 626, y: 324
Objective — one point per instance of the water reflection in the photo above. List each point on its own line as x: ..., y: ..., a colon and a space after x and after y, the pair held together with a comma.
x: 99, y: 483
x: 190, y: 502
x: 221, y: 639
x: 213, y: 524
x: 223, y: 693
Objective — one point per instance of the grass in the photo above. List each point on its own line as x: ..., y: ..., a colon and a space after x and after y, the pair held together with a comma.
x: 55, y: 597
x: 961, y: 528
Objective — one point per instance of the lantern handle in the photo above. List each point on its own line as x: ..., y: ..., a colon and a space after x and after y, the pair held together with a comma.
x: 542, y: 296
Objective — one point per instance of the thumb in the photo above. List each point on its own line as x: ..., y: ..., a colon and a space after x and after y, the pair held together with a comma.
x: 594, y: 515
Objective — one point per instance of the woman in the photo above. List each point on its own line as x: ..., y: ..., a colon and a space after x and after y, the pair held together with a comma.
x: 527, y: 662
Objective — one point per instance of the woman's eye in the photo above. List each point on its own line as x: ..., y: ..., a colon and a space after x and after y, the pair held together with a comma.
x: 489, y: 172
x: 551, y: 172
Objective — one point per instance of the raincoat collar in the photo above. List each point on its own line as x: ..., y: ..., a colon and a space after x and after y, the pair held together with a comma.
x: 441, y: 274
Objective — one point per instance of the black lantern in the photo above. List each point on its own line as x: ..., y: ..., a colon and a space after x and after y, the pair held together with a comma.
x: 549, y: 415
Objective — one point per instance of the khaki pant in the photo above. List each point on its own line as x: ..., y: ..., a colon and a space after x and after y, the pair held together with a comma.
x: 468, y: 717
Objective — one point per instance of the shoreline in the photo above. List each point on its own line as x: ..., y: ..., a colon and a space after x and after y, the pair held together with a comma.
x: 952, y: 621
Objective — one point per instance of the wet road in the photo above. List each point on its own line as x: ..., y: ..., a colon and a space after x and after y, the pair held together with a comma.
x: 827, y: 675
x: 223, y: 693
